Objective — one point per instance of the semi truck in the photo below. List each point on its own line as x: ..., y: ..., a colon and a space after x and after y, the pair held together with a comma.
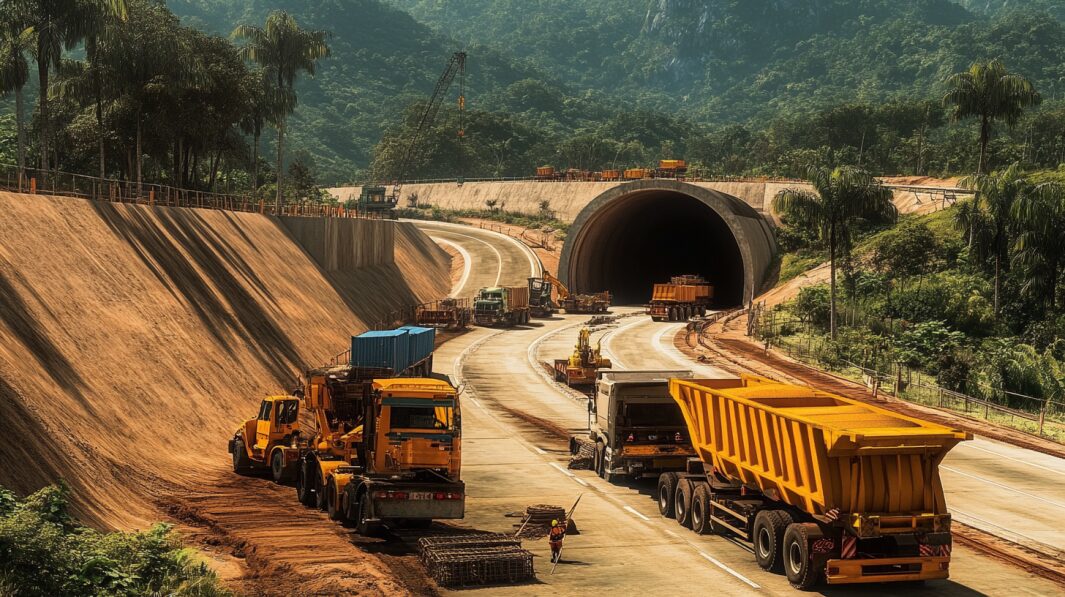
x: 635, y: 426
x: 384, y: 446
x: 825, y: 488
x: 683, y: 297
x: 501, y: 306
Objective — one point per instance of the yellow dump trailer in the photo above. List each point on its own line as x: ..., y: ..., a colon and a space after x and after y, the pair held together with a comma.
x: 824, y: 486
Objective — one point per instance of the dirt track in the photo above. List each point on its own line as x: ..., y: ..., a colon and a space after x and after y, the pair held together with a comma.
x: 133, y: 341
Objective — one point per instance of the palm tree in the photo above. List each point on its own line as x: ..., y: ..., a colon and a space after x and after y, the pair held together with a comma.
x: 16, y: 41
x: 1039, y: 216
x: 997, y: 193
x: 58, y: 25
x: 99, y: 17
x: 992, y: 93
x: 255, y: 118
x: 839, y: 198
x: 283, y: 50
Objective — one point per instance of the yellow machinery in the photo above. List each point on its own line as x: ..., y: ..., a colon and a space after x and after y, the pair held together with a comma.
x: 263, y: 441
x: 580, y: 368
x: 382, y: 450
x: 540, y: 293
x: 824, y: 486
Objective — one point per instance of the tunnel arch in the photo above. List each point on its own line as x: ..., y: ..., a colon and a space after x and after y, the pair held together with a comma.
x: 643, y: 232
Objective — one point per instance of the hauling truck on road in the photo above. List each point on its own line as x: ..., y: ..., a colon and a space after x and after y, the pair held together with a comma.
x: 501, y: 305
x: 635, y: 425
x: 683, y: 297
x: 580, y: 368
x: 448, y: 313
x: 543, y: 304
x: 385, y: 442
x: 824, y: 487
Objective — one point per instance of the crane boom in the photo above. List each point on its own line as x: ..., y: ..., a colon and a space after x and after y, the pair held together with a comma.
x: 456, y: 66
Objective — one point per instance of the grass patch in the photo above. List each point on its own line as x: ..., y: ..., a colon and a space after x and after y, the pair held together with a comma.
x: 795, y: 264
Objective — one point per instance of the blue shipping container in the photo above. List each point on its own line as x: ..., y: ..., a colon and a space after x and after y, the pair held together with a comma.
x: 389, y: 349
x: 422, y: 342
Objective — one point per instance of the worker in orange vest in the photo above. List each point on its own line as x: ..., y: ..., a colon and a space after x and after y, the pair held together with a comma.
x: 555, y: 537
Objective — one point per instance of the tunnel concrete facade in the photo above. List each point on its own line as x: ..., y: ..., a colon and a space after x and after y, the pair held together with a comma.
x: 636, y: 234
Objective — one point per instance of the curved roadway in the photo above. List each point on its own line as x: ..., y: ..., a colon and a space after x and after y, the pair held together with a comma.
x: 624, y: 546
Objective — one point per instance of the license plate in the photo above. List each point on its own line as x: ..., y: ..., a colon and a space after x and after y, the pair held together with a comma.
x: 421, y: 495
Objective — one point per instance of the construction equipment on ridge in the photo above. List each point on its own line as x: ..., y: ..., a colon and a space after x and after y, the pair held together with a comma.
x: 374, y: 198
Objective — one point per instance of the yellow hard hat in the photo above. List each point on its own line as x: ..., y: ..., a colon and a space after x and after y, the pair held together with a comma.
x: 554, y: 523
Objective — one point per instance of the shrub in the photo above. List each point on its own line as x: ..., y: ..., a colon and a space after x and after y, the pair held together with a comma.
x: 924, y: 343
x: 812, y: 305
x: 44, y: 552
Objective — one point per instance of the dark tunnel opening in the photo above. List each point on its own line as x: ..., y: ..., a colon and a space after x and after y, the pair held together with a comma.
x: 649, y: 236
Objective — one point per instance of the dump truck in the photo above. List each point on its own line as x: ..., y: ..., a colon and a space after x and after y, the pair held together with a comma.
x: 569, y: 302
x: 385, y: 442
x: 824, y: 487
x: 635, y: 426
x: 502, y: 306
x: 449, y: 313
x: 637, y: 173
x: 671, y: 169
x: 682, y: 298
x: 581, y: 367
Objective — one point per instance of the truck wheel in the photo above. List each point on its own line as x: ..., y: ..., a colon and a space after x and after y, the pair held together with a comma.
x: 682, y: 503
x: 363, y: 526
x: 768, y: 538
x: 332, y: 501
x: 667, y: 486
x: 320, y: 500
x: 799, y: 567
x: 241, y: 462
x: 701, y: 510
x: 282, y: 474
x: 603, y: 469
x: 304, y: 485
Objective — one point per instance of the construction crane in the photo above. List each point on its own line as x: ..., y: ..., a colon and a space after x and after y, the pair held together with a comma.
x: 568, y: 301
x: 375, y: 198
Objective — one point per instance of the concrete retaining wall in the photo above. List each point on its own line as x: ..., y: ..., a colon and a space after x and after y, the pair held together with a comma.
x: 343, y: 244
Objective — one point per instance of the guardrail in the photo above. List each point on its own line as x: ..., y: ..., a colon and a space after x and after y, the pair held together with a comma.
x: 66, y: 184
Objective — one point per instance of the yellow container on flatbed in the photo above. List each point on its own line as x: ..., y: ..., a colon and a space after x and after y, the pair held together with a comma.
x: 819, y: 452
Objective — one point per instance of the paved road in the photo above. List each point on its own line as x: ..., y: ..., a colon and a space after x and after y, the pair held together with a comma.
x: 624, y: 544
x: 490, y: 259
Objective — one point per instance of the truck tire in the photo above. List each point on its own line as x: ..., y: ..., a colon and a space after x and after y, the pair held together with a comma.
x: 667, y: 486
x: 241, y: 462
x: 682, y: 503
x: 304, y: 484
x: 332, y: 501
x: 362, y: 524
x: 768, y: 539
x: 320, y: 500
x: 701, y: 510
x: 282, y: 473
x: 802, y: 572
x: 600, y: 463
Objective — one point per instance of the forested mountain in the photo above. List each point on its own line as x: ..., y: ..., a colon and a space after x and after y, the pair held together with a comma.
x: 583, y: 82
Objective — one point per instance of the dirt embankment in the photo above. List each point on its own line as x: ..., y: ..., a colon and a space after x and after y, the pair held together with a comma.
x: 133, y: 340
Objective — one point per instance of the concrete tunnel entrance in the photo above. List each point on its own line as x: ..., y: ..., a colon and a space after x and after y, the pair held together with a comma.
x: 637, y: 234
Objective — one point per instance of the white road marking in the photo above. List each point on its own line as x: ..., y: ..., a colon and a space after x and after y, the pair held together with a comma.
x: 560, y: 469
x: 467, y: 264
x: 1000, y: 455
x: 499, y: 256
x: 1008, y: 534
x: 535, y: 267
x: 538, y: 450
x: 579, y: 480
x: 722, y: 566
x: 1006, y: 487
x: 633, y: 511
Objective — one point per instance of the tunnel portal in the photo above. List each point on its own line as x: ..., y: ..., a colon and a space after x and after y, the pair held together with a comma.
x: 635, y: 235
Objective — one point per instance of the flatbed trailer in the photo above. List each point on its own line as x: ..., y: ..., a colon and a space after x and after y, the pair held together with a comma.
x: 824, y: 487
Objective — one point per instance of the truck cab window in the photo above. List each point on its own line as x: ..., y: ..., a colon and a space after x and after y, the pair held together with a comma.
x: 420, y: 417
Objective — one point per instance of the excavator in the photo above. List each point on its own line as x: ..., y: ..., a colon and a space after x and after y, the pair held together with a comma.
x: 580, y: 368
x: 541, y: 305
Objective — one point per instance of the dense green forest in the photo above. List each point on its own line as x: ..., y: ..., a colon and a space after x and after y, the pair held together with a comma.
x: 762, y: 87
